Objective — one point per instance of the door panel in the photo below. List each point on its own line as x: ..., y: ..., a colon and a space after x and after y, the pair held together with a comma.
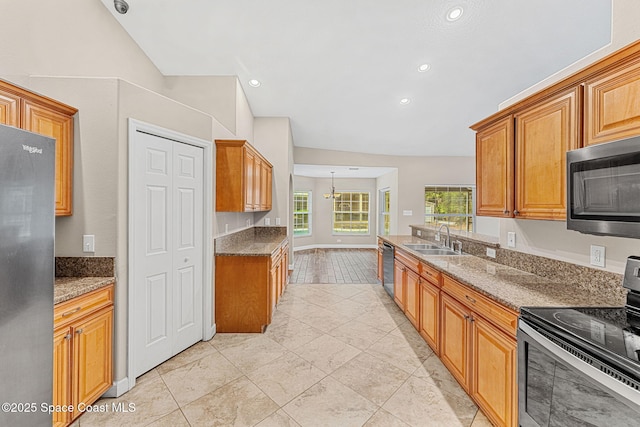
x: 168, y: 248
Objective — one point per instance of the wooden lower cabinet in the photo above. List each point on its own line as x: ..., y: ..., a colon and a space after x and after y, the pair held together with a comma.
x: 82, y: 352
x: 398, y: 283
x: 430, y: 314
x: 482, y: 357
x: 62, y: 374
x: 412, y: 297
x: 454, y: 349
x: 248, y: 289
x: 494, y: 372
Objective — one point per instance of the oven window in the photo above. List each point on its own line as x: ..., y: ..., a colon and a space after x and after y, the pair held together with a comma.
x: 606, y: 188
x: 560, y: 395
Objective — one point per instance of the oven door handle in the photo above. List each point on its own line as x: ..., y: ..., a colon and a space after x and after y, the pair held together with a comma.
x: 626, y: 393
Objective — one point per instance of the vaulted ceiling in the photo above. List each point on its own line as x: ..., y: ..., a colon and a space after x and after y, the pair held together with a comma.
x: 340, y: 68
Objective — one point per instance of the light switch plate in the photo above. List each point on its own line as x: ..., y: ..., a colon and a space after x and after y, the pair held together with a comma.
x: 277, y: 221
x: 88, y: 243
x: 407, y: 213
x: 511, y: 239
x: 597, y: 256
x: 267, y: 221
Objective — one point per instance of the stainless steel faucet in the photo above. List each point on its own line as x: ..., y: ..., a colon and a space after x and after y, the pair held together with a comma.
x: 448, y: 242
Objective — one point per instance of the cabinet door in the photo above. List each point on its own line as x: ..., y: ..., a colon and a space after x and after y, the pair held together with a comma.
x: 249, y: 179
x: 612, y: 104
x: 494, y: 373
x: 269, y: 185
x: 494, y: 169
x: 284, y: 268
x: 92, y: 348
x: 412, y: 297
x: 273, y: 291
x: 544, y: 134
x: 430, y: 314
x: 257, y: 185
x: 454, y: 349
x: 398, y: 283
x: 62, y: 374
x: 380, y: 264
x: 264, y: 185
x: 9, y: 109
x: 42, y: 120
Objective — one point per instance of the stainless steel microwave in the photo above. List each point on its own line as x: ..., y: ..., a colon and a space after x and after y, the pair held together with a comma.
x: 603, y: 189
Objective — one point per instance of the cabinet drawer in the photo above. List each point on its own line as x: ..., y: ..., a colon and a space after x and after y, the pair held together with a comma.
x: 75, y: 308
x: 499, y: 315
x: 430, y: 274
x: 407, y: 260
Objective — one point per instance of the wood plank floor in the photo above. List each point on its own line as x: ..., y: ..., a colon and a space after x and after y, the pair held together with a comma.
x: 335, y: 266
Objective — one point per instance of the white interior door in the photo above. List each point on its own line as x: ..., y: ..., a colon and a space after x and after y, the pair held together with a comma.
x: 167, y: 181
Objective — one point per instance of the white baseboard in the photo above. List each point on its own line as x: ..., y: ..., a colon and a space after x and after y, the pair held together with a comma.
x: 118, y: 388
x: 334, y: 246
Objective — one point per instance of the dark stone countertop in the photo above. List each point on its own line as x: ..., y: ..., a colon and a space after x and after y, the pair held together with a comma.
x: 66, y: 288
x: 509, y: 286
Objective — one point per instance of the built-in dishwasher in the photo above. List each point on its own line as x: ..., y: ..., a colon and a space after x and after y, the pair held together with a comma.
x: 387, y: 267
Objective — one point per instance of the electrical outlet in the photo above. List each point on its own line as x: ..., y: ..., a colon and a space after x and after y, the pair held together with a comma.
x: 511, y: 239
x: 437, y: 237
x: 491, y: 253
x: 88, y: 243
x: 226, y: 228
x: 267, y: 221
x: 277, y: 221
x: 419, y: 233
x: 597, y: 255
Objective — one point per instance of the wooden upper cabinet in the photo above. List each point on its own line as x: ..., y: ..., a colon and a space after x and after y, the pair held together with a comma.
x: 544, y: 133
x: 243, y: 178
x: 35, y: 113
x: 249, y: 179
x: 41, y: 119
x: 9, y: 109
x: 612, y: 104
x: 494, y: 169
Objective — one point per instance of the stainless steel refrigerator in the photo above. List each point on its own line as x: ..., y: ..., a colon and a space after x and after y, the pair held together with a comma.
x: 27, y: 203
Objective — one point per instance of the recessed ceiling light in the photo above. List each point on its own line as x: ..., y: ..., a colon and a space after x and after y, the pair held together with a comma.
x: 424, y: 67
x: 405, y: 101
x: 254, y: 83
x: 454, y: 14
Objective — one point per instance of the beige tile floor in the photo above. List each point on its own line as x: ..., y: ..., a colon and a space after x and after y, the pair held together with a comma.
x: 335, y: 355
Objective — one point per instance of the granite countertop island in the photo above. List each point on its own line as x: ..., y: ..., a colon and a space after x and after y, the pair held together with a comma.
x: 512, y: 287
x: 66, y: 288
x: 255, y: 241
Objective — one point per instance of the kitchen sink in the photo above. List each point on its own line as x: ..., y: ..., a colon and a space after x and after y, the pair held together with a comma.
x: 421, y: 246
x: 438, y: 251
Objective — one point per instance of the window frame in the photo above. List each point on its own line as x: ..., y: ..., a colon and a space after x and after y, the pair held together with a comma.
x: 451, y: 187
x: 309, y: 213
x: 368, y: 212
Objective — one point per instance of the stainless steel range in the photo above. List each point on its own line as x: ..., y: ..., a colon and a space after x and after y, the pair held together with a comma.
x: 581, y: 366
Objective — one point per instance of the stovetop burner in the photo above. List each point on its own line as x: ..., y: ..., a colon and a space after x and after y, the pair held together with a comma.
x: 610, y: 330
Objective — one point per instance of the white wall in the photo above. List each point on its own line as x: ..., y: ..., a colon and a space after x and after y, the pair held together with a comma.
x: 413, y: 174
x: 322, y: 213
x: 551, y: 238
x: 389, y: 181
x: 271, y: 138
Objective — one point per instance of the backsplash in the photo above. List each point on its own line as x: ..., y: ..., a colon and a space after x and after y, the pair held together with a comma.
x: 253, y: 234
x: 85, y: 266
x: 599, y: 281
